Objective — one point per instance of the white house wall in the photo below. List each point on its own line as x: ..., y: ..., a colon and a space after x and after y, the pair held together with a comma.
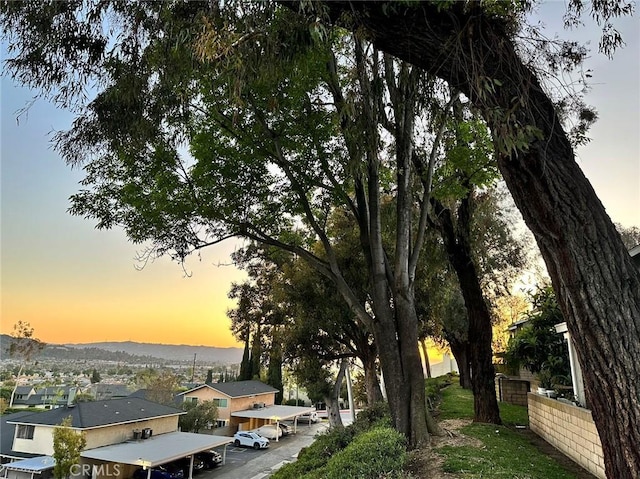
x: 42, y: 442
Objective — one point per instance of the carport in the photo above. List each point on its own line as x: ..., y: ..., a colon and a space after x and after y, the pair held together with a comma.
x: 275, y: 414
x: 41, y: 465
x: 158, y: 450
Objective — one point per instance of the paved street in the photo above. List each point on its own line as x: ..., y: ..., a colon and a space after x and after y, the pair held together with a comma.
x: 248, y: 463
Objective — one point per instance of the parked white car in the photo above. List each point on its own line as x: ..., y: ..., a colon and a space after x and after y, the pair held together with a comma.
x: 270, y: 431
x: 308, y: 417
x: 250, y: 439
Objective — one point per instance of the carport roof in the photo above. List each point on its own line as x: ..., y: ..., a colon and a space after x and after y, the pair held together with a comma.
x: 275, y: 413
x: 34, y: 464
x: 156, y: 450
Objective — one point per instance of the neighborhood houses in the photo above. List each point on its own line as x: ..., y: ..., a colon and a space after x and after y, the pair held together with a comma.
x: 126, y: 434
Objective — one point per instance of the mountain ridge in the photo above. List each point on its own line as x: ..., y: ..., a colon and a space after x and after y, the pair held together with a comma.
x: 178, y: 352
x: 133, y: 350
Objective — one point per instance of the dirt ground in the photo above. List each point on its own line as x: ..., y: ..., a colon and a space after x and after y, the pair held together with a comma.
x: 427, y: 463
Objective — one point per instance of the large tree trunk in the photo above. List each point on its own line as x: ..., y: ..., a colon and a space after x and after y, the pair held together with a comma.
x: 425, y: 356
x: 597, y: 284
x: 333, y: 400
x: 456, y: 241
x: 371, y: 383
x: 460, y: 351
x: 403, y: 381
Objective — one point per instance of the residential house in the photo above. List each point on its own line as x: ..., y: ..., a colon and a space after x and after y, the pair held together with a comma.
x: 231, y: 397
x: 43, y: 398
x: 122, y: 435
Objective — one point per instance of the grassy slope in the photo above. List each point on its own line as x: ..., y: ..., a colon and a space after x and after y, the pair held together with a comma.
x: 506, y: 452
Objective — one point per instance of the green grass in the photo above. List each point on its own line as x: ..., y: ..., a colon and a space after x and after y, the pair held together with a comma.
x: 506, y: 452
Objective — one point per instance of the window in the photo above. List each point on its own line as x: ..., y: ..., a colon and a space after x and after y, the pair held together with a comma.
x: 222, y: 423
x: 220, y: 402
x: 191, y: 400
x: 25, y: 432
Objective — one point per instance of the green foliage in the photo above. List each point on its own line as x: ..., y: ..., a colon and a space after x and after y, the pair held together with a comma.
x: 537, y: 346
x: 83, y: 397
x: 67, y: 447
x: 317, y: 454
x: 198, y: 415
x: 313, y: 459
x: 372, y: 453
x: 434, y: 386
x: 380, y: 452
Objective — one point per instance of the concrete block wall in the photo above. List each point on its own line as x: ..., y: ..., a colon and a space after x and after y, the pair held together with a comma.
x: 512, y: 391
x: 569, y: 429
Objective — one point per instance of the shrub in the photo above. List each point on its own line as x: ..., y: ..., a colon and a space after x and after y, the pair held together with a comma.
x: 317, y: 454
x: 380, y: 452
x: 376, y: 415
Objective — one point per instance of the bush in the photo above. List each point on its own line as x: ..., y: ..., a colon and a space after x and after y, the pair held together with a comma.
x: 434, y: 385
x: 380, y: 452
x: 376, y: 415
x: 312, y: 460
x: 317, y: 454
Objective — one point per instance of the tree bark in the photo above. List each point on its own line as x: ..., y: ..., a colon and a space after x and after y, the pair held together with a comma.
x: 460, y: 351
x: 456, y: 241
x: 597, y: 284
x: 333, y: 401
x: 425, y: 355
x: 371, y: 383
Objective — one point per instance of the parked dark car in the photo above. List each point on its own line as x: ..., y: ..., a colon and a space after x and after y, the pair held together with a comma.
x: 184, y: 464
x: 160, y: 472
x: 210, y: 458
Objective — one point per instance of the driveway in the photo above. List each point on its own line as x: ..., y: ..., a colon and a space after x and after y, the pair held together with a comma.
x: 248, y: 463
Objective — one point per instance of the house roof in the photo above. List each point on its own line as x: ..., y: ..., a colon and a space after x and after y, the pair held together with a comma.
x: 24, y: 389
x: 274, y: 413
x: 156, y: 450
x: 35, y: 465
x: 108, y: 391
x: 236, y: 389
x: 87, y: 415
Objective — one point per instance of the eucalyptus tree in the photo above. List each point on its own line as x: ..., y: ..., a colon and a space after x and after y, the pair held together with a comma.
x: 475, y: 47
x: 282, y: 127
x: 322, y: 326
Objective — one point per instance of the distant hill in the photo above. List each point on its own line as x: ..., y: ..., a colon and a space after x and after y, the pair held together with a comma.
x: 181, y: 352
x: 132, y: 352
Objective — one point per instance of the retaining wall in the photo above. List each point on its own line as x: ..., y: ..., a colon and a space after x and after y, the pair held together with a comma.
x: 569, y: 429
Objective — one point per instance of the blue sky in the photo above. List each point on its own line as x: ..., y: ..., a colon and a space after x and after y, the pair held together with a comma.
x: 76, y: 284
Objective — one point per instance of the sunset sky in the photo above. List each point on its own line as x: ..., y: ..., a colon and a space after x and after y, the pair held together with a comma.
x: 77, y: 284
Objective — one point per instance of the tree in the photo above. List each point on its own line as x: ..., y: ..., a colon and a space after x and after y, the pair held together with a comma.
x: 314, y: 154
x: 95, y: 376
x: 68, y: 444
x: 473, y: 47
x: 24, y: 347
x: 161, y: 387
x: 83, y: 397
x: 630, y: 236
x: 535, y: 155
x: 199, y: 415
x: 209, y: 379
x: 537, y: 346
